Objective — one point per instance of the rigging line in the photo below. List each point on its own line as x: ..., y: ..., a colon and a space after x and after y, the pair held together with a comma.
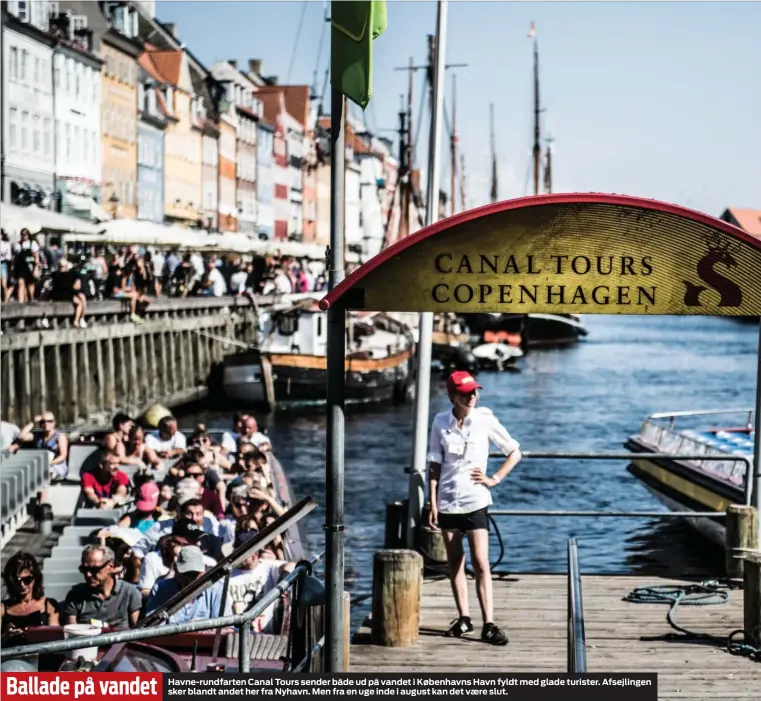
x: 296, y: 43
x: 319, y: 53
x: 423, y: 104
x: 528, y: 175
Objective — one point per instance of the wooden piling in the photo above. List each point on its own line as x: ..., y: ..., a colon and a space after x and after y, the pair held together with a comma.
x: 741, y: 535
x: 752, y: 598
x: 397, y: 591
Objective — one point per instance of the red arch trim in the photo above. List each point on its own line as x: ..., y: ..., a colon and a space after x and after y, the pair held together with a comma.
x: 523, y: 202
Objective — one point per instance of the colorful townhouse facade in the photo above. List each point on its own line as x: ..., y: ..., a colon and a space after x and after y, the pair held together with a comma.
x: 28, y: 158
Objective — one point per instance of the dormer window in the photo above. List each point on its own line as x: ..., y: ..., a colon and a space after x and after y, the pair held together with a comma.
x: 22, y: 10
x: 78, y: 23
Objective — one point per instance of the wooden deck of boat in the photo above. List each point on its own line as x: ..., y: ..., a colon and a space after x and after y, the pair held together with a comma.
x: 533, y: 608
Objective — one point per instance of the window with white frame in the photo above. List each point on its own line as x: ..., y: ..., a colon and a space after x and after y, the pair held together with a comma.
x: 22, y: 10
x: 67, y: 149
x: 46, y: 137
x: 13, y: 63
x: 36, y: 134
x: 79, y: 23
x: 37, y: 71
x: 22, y: 73
x: 85, y: 146
x: 13, y: 127
x: 24, y: 131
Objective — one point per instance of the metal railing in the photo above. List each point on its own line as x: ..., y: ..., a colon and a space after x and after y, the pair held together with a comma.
x: 673, y: 415
x: 577, y: 643
x: 242, y: 622
x: 751, y: 484
x: 151, y: 626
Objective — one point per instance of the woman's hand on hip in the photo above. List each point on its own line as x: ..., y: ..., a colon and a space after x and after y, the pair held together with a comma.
x: 479, y: 477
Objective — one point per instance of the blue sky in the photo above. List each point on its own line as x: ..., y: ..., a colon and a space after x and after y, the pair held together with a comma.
x: 654, y: 99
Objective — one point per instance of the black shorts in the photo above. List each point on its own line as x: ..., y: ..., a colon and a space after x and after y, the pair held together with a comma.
x: 473, y: 521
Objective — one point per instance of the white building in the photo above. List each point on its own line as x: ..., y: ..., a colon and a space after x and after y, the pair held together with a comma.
x: 295, y: 158
x: 77, y: 83
x: 371, y: 186
x: 28, y: 150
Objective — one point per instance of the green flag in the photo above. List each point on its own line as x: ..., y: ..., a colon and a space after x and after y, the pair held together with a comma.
x: 355, y: 23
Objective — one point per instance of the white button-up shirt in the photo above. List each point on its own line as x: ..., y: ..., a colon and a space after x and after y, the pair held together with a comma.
x: 458, y: 451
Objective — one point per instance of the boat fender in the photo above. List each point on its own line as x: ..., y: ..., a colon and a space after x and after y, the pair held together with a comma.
x: 154, y: 414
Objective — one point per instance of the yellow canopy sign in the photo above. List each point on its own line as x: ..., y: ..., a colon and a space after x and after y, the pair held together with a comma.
x: 576, y: 253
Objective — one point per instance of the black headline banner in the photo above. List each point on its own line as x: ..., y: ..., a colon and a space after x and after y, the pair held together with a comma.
x: 518, y: 687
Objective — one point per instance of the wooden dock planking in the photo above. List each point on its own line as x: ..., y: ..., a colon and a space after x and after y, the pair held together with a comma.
x: 533, y: 608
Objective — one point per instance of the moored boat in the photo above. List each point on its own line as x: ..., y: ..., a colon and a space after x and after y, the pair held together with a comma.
x: 289, y: 366
x: 534, y: 330
x: 695, y: 485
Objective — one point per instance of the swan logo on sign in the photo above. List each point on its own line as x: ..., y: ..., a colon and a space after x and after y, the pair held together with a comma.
x: 720, y: 254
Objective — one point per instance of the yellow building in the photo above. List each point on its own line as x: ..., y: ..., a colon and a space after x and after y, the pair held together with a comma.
x: 118, y: 192
x: 183, y: 163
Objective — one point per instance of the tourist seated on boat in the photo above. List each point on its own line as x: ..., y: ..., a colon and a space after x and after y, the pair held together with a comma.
x: 166, y: 499
x: 201, y: 441
x: 251, y: 434
x: 167, y: 442
x: 124, y: 566
x: 41, y: 434
x: 209, y: 496
x: 159, y: 563
x: 102, y: 596
x: 9, y: 433
x: 26, y: 604
x: 189, y: 566
x: 252, y: 579
x: 121, y: 425
x: 113, y: 443
x: 229, y: 442
x: 273, y: 551
x: 136, y: 452
x: 146, y: 505
x: 190, y: 509
x: 106, y: 485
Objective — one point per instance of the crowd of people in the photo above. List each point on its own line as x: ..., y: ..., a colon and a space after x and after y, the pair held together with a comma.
x: 191, y: 501
x: 136, y: 274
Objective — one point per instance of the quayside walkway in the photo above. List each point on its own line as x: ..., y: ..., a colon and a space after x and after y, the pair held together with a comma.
x: 534, y: 610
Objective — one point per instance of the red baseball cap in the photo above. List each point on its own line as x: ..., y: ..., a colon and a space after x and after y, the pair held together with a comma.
x: 461, y: 381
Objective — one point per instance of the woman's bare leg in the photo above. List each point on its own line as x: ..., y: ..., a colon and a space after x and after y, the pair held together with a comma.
x: 456, y: 561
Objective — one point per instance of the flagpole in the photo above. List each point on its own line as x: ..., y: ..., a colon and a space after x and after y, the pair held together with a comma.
x: 336, y: 352
x: 423, y: 388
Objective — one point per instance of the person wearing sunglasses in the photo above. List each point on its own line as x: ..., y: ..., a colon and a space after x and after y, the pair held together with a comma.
x: 460, y: 496
x: 26, y: 605
x: 102, y: 596
x: 42, y: 434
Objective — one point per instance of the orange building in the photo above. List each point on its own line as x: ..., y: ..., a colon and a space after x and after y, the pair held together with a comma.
x: 228, y: 207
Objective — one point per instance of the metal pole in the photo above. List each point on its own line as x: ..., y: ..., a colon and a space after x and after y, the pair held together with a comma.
x: 334, y: 445
x: 423, y: 389
x: 755, y: 474
x: 244, y: 649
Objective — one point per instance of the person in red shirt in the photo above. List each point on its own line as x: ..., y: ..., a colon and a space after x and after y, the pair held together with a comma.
x: 103, y: 486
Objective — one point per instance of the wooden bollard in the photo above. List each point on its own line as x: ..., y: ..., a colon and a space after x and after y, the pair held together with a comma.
x: 752, y: 598
x: 431, y: 544
x: 741, y: 534
x: 397, y: 590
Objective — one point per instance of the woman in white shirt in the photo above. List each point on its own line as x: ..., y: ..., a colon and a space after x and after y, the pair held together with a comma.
x: 460, y: 496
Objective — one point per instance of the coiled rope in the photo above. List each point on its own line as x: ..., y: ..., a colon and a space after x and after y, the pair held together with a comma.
x: 707, y: 593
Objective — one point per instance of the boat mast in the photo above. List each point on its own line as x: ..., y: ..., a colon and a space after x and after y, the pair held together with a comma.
x: 537, y: 111
x: 453, y: 145
x: 494, y: 189
x: 548, y: 166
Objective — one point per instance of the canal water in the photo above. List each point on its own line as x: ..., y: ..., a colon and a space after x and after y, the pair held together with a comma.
x: 586, y: 398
